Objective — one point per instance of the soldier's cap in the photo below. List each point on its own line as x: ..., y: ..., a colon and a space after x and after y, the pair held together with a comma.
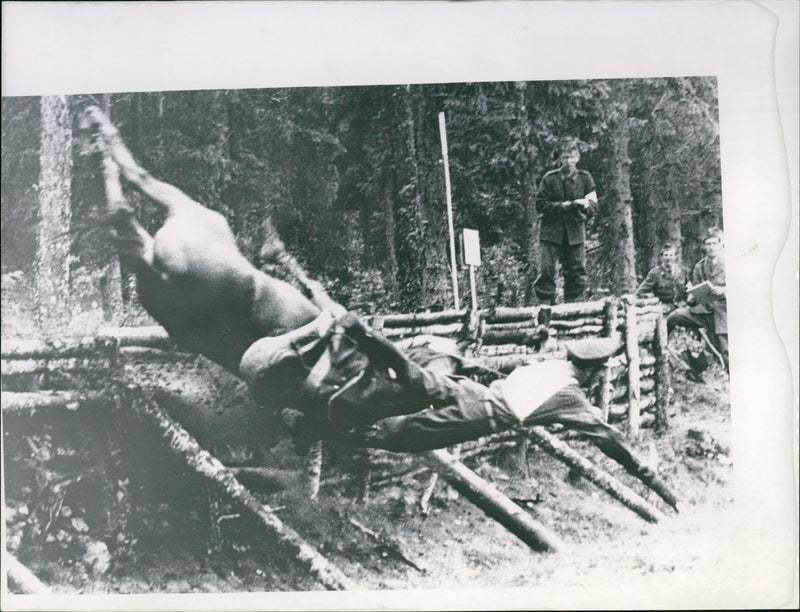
x: 714, y: 233
x: 593, y: 350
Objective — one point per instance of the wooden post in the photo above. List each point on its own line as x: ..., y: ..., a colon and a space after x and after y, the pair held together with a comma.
x: 493, y: 502
x: 610, y: 324
x: 451, y: 231
x: 473, y: 290
x: 313, y: 469
x: 616, y: 489
x: 663, y: 376
x: 632, y: 353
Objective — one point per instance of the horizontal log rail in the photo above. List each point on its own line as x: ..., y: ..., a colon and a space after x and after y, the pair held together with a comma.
x: 153, y: 336
x: 419, y: 319
x: 26, y: 404
x: 449, y: 329
x: 27, y: 348
x: 505, y: 338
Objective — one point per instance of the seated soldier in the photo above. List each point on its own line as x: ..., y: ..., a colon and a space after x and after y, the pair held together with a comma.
x: 666, y: 281
x: 427, y: 409
x: 708, y: 314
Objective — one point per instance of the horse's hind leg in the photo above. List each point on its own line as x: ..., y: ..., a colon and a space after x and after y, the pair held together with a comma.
x: 168, y: 196
x: 134, y: 244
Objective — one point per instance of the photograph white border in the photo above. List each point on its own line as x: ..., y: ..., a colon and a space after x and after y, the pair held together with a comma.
x: 751, y: 47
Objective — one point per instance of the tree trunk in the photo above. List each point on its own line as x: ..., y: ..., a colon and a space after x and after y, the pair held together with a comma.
x: 672, y: 215
x: 620, y: 213
x: 111, y: 280
x: 53, y: 248
x: 392, y: 283
x: 410, y: 234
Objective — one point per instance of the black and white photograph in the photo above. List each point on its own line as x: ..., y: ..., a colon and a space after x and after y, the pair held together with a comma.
x: 457, y: 339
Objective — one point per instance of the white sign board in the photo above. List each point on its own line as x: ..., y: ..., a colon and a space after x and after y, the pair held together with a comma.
x: 471, y: 247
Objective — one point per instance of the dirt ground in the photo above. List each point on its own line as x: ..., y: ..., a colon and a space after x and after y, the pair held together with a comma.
x: 95, y: 505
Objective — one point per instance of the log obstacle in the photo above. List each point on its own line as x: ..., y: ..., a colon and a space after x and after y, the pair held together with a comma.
x: 616, y: 489
x: 208, y: 467
x: 203, y: 463
x: 501, y: 339
x: 27, y: 404
x: 492, y: 502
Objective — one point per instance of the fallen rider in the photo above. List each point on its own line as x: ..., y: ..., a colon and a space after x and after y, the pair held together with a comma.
x: 335, y: 379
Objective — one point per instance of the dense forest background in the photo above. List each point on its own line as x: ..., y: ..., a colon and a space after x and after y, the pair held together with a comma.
x: 353, y: 179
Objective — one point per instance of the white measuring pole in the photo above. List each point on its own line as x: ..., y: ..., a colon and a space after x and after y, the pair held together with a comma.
x: 453, y: 268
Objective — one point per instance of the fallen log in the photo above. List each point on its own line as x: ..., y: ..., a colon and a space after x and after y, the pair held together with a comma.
x: 616, y: 489
x: 494, y: 503
x: 26, y: 348
x: 385, y: 477
x: 147, y: 353
x: 218, y: 476
x: 27, y: 404
x: 265, y: 479
x: 153, y: 336
x: 17, y: 367
x: 23, y: 578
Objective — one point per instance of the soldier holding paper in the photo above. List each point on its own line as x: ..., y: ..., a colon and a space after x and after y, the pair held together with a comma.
x: 707, y: 311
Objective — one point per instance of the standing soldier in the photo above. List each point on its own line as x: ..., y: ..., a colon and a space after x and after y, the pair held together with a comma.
x: 565, y: 199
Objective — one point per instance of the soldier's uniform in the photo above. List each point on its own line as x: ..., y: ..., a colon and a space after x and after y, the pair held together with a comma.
x: 562, y: 233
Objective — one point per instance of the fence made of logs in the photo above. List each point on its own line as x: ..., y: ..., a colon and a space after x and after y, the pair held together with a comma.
x: 504, y: 338
x: 637, y: 382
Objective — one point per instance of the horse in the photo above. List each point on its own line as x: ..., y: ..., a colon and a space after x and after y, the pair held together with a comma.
x: 190, y: 275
